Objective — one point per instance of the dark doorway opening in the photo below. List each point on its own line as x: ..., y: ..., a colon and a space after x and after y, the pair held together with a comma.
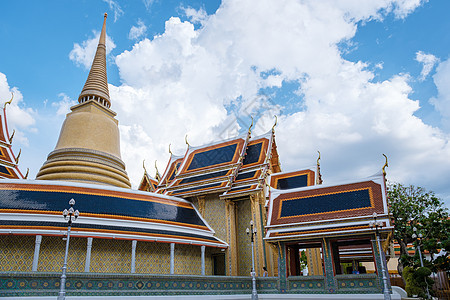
x: 219, y: 264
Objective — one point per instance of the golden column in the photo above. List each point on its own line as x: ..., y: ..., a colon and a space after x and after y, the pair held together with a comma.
x: 88, y: 148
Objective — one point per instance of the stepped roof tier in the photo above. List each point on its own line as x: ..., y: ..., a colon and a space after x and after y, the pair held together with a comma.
x: 88, y: 148
x: 8, y: 161
x: 34, y: 207
x: 232, y: 167
x: 327, y: 210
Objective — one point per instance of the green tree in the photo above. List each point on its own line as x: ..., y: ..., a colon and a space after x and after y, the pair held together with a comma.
x: 414, y: 207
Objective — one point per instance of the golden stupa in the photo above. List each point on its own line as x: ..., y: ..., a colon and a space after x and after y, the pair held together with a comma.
x: 88, y: 148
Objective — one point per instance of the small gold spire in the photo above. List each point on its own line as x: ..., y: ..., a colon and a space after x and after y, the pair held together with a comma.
x: 251, y: 125
x: 170, y: 151
x: 143, y: 165
x: 18, y: 156
x: 319, y: 176
x: 185, y: 139
x: 276, y: 121
x: 12, y: 135
x: 157, y: 175
x: 26, y: 175
x: 9, y: 102
x: 385, y: 165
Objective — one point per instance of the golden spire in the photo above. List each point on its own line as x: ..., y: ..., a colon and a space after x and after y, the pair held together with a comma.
x: 96, y: 86
x: 186, y: 140
x: 251, y: 125
x: 12, y: 136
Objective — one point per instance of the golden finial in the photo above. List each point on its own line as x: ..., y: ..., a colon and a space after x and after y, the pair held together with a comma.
x: 143, y: 165
x: 385, y: 165
x: 17, y: 159
x: 185, y: 139
x: 170, y: 151
x: 105, y: 15
x: 12, y: 135
x: 276, y: 121
x: 9, y: 102
x: 26, y: 175
x: 319, y: 176
x: 157, y: 175
x: 251, y: 125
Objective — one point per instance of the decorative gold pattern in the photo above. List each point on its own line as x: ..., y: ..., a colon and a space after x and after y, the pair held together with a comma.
x: 16, y: 253
x: 110, y: 256
x: 152, y: 257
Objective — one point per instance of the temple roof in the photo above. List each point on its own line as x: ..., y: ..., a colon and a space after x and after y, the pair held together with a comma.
x: 8, y: 161
x: 326, y: 210
x: 232, y: 167
x: 35, y: 207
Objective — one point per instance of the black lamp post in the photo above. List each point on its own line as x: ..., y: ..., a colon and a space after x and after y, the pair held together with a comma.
x: 418, y: 238
x: 68, y: 214
x: 252, y: 231
x: 379, y: 224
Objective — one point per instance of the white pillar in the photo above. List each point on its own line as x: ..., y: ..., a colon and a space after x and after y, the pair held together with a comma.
x: 172, y: 258
x: 133, y: 256
x: 87, y: 264
x: 203, y: 260
x: 37, y: 247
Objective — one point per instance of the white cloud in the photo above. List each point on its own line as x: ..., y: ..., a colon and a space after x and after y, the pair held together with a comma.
x: 194, y: 15
x: 138, y: 31
x: 442, y: 101
x: 115, y: 7
x: 186, y: 80
x: 19, y: 117
x: 63, y: 106
x: 83, y: 55
x: 428, y: 61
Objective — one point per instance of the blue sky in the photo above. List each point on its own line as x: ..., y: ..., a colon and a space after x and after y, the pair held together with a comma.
x: 353, y: 79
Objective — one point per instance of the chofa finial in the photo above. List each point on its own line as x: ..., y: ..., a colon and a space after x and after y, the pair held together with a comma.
x: 26, y: 175
x: 9, y: 102
x: 275, y: 124
x: 385, y: 165
x: 186, y: 140
x: 170, y: 151
x: 18, y: 156
x: 11, y: 137
x: 251, y: 125
x: 157, y: 175
x: 143, y: 165
x: 319, y: 175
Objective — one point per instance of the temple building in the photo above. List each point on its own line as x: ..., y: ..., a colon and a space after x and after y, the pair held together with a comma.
x: 192, y: 220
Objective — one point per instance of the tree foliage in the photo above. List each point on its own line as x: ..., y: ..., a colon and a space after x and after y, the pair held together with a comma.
x: 414, y: 207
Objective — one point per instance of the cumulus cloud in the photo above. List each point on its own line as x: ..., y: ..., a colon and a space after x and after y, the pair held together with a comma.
x: 194, y: 15
x: 83, y: 55
x: 63, y: 106
x: 201, y: 82
x: 442, y: 101
x: 136, y: 32
x: 428, y: 61
x: 20, y: 117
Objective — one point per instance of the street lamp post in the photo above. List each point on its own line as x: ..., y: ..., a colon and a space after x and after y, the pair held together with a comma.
x: 379, y: 224
x: 418, y: 238
x: 67, y: 215
x: 252, y: 231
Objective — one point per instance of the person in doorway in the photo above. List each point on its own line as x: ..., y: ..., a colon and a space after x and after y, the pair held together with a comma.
x: 265, y: 273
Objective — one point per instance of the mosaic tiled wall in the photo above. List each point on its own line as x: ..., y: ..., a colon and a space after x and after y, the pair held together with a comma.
x: 51, y: 254
x: 85, y: 284
x: 152, y: 258
x: 215, y: 215
x: 111, y: 256
x: 243, y: 212
x: 188, y: 260
x: 16, y: 253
